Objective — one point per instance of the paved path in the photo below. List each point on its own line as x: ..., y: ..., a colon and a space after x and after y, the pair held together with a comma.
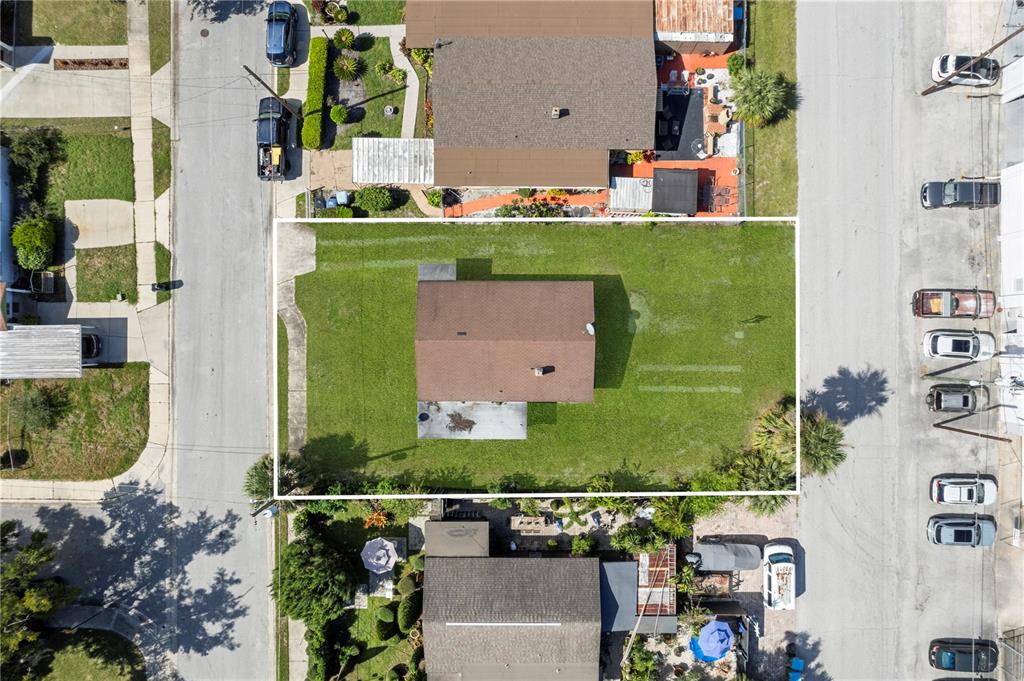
x: 36, y: 90
x: 142, y: 149
x: 296, y: 254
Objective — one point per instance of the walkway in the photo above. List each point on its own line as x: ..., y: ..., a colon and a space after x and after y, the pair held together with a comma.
x: 296, y: 254
x: 141, y: 101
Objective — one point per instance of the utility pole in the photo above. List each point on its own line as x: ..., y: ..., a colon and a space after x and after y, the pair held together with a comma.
x: 284, y: 102
x: 968, y: 65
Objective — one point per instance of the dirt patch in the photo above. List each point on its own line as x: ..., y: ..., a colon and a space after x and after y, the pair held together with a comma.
x: 110, y: 64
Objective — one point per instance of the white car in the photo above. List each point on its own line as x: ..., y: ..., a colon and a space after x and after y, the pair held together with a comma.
x: 779, y: 584
x: 959, y: 490
x: 983, y: 73
x: 973, y: 345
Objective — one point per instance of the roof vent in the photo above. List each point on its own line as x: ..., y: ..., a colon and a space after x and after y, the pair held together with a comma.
x: 557, y: 112
x: 543, y: 371
x: 590, y: 329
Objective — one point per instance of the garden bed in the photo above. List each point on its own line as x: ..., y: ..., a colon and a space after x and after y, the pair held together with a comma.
x: 366, y: 110
x: 109, y: 64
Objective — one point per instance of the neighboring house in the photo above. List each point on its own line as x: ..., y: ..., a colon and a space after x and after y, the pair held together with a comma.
x: 536, y: 94
x: 505, y: 341
x: 462, y: 538
x: 694, y: 26
x: 638, y: 595
x: 52, y: 351
x: 515, y: 619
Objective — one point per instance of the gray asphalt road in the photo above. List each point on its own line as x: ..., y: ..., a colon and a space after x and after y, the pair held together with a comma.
x: 876, y: 592
x: 221, y: 227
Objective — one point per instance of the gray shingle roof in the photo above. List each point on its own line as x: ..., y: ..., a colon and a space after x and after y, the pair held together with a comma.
x: 515, y: 619
x: 499, y: 93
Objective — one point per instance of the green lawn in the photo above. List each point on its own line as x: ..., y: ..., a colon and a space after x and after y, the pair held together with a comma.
x: 163, y: 270
x: 771, y: 151
x: 421, y: 117
x: 159, y: 34
x: 104, y: 427
x: 374, y: 124
x: 104, y: 272
x: 82, y: 22
x: 378, y: 656
x: 673, y: 304
x: 377, y: 12
x: 282, y: 386
x: 161, y: 158
x: 284, y: 81
x: 92, y: 655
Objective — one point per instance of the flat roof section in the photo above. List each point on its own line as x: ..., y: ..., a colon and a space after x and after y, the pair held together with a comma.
x: 467, y: 538
x: 43, y: 351
x: 675, y: 191
x: 505, y: 341
x: 427, y: 21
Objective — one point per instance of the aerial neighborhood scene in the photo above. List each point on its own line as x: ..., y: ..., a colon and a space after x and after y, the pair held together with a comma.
x: 550, y: 339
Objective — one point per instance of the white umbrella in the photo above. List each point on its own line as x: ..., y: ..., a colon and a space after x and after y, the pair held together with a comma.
x: 379, y: 555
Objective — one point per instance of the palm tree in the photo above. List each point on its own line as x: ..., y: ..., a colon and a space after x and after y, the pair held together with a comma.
x: 759, y: 96
x: 775, y: 432
x: 295, y: 478
x: 347, y: 67
x: 765, y: 471
x: 821, y: 444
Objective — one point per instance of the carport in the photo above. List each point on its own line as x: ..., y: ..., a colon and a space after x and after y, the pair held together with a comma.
x: 389, y: 160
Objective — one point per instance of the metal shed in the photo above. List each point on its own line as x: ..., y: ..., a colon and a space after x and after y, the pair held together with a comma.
x: 53, y: 351
x: 389, y: 160
x: 631, y: 194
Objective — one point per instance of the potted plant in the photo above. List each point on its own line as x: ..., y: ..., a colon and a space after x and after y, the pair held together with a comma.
x: 330, y: 10
x: 699, y: 70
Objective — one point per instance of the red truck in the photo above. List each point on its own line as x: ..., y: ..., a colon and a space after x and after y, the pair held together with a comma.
x: 958, y: 303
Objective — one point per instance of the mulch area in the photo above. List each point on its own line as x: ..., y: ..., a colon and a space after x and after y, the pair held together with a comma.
x: 106, y: 64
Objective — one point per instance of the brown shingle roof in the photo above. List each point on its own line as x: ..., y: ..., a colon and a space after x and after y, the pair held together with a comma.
x: 482, y: 340
x: 430, y: 20
x: 479, y: 167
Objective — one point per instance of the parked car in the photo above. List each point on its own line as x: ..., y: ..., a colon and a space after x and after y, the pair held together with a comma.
x: 715, y: 556
x: 952, y: 193
x: 983, y: 73
x: 272, y: 127
x: 779, y: 584
x: 953, y: 302
x: 973, y: 345
x: 963, y: 655
x: 91, y: 346
x: 961, y: 530
x: 955, y: 397
x: 963, y: 489
x: 281, y: 30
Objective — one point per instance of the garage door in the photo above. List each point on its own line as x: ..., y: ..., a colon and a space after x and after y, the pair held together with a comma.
x: 1013, y: 81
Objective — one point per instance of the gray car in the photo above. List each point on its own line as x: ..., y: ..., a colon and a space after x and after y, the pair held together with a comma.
x: 971, y: 194
x: 955, y: 397
x: 961, y: 530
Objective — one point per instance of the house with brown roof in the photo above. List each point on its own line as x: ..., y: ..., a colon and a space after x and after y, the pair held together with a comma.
x: 536, y: 93
x: 505, y: 341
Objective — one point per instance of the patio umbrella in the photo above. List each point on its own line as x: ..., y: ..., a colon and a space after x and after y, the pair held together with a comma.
x: 714, y: 642
x: 379, y: 555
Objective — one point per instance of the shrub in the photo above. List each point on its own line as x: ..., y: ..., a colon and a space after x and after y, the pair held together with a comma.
x: 344, y: 39
x: 313, y: 123
x: 341, y: 15
x: 528, y: 506
x: 409, y: 610
x: 434, y: 197
x: 639, y: 156
x: 339, y: 114
x: 552, y: 544
x: 759, y: 96
x: 374, y: 199
x: 417, y: 562
x: 393, y: 675
x: 383, y: 68
x: 557, y: 504
x: 406, y: 585
x: 33, y: 238
x: 641, y: 665
x: 385, y: 614
x: 822, y: 448
x: 633, y: 539
x: 534, y: 209
x: 338, y: 212
x: 384, y: 630
x: 347, y: 67
x: 558, y: 192
x: 398, y: 75
x: 526, y: 192
x: 425, y: 58
x: 582, y: 545
x: 32, y: 153
x: 736, y: 63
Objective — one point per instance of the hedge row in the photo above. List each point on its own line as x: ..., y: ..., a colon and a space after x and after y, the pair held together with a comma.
x: 313, y: 122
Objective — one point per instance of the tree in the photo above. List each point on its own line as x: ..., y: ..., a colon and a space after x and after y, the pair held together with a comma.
x: 295, y: 478
x: 759, y: 96
x: 33, y: 409
x: 822, y: 448
x: 26, y: 599
x: 33, y: 238
x: 582, y: 545
x: 603, y: 484
x: 775, y: 431
x: 374, y: 199
x: 312, y: 581
x: 32, y: 153
x: 634, y: 539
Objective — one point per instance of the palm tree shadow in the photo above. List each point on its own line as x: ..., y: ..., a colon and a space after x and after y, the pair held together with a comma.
x: 847, y: 395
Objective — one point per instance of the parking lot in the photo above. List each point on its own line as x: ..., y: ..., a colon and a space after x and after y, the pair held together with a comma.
x: 877, y: 592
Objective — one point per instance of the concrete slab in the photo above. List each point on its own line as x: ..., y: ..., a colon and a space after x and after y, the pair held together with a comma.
x: 155, y: 323
x: 37, y: 91
x: 97, y: 223
x: 296, y: 250
x: 162, y: 216
x: 331, y: 169
x: 161, y: 88
x: 490, y: 420
x: 435, y: 272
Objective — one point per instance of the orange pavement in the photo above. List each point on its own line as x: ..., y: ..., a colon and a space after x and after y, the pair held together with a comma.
x: 714, y: 169
x: 489, y: 202
x: 690, y: 63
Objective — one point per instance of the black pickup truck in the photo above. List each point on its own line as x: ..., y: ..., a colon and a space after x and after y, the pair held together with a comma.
x: 960, y: 194
x: 272, y: 135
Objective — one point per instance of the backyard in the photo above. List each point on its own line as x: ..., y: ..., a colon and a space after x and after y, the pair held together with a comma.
x: 771, y: 151
x: 101, y: 425
x: 696, y: 335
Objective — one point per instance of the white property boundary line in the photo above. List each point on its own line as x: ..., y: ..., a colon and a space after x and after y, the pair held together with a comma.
x: 274, y: 425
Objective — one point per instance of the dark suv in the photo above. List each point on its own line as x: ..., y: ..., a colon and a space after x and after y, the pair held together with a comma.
x: 963, y: 655
x: 960, y: 194
x: 281, y: 21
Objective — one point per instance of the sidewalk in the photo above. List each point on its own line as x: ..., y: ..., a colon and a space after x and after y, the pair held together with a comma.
x: 142, y: 149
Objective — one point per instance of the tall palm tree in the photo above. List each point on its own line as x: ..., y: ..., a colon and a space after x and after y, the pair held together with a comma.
x: 822, y: 449
x: 295, y: 478
x: 759, y: 96
x: 765, y: 471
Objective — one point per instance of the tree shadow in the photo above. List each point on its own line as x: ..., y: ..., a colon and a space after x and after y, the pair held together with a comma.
x: 615, y: 320
x: 847, y: 395
x: 773, y: 665
x: 336, y: 456
x: 132, y: 556
x: 218, y: 11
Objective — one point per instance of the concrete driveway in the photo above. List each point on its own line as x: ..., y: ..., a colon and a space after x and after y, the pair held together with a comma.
x: 876, y: 591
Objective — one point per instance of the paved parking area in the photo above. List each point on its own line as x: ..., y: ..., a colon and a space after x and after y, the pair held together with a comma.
x: 876, y: 591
